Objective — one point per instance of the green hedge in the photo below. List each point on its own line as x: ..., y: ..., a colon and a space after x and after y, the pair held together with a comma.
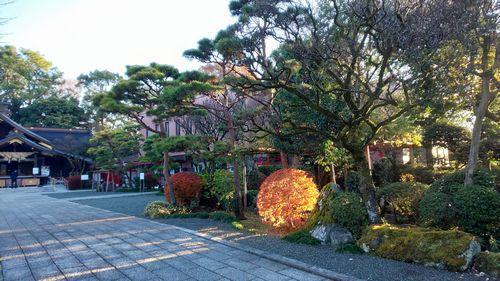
x: 349, y: 211
x: 476, y: 209
x: 301, y: 237
x: 402, y: 199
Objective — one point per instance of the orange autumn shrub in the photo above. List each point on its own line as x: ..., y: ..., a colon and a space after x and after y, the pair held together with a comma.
x: 187, y: 186
x: 287, y: 198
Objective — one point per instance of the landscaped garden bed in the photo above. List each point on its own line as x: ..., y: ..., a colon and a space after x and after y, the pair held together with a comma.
x: 340, y: 219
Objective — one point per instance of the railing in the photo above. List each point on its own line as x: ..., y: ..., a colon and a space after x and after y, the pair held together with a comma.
x: 56, y: 181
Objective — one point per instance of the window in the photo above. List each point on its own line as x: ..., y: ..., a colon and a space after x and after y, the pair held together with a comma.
x: 189, y: 127
x: 147, y: 133
x: 167, y: 129
x: 177, y: 128
x: 157, y: 127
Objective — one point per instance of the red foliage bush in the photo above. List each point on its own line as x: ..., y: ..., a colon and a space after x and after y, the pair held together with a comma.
x: 74, y: 182
x: 187, y: 186
x: 287, y: 198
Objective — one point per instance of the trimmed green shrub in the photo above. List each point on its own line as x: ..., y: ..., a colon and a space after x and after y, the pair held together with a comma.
x: 488, y: 263
x: 420, y: 173
x: 349, y: 248
x: 158, y: 209
x: 402, y: 199
x: 267, y: 170
x: 207, y: 197
x: 301, y: 237
x: 438, y: 209
x: 439, y: 248
x: 349, y: 211
x: 251, y: 197
x: 255, y: 179
x: 385, y: 171
x: 223, y: 217
x: 223, y: 189
x: 353, y: 182
x: 481, y: 178
x: 449, y: 204
x: 478, y: 210
x: 199, y: 215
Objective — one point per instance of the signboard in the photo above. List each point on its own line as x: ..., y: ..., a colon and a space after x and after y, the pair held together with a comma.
x: 84, y: 177
x: 45, y: 171
x: 36, y: 171
x: 141, y: 176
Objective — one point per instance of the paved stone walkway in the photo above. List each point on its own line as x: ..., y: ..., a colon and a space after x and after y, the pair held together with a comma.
x: 42, y: 238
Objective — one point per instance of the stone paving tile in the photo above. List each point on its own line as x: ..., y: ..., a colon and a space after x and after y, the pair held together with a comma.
x: 208, y: 263
x: 81, y: 243
x: 138, y: 273
x: 300, y: 275
x: 235, y: 274
x: 200, y: 273
x: 23, y: 273
x: 269, y: 264
x: 109, y: 273
x: 170, y: 273
x: 269, y: 275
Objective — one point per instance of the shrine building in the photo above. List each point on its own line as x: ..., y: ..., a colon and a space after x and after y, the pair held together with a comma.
x: 37, y: 154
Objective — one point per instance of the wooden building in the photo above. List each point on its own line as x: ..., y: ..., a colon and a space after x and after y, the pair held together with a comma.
x: 39, y: 153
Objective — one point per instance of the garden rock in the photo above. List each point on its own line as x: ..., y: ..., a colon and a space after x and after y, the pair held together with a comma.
x: 445, y: 249
x: 332, y: 234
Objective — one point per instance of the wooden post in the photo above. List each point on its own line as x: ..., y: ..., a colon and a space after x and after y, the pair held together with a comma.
x: 369, y: 158
x: 107, y: 181
x: 334, y: 178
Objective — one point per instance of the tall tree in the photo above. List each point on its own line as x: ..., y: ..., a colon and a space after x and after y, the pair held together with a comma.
x: 151, y: 91
x: 25, y: 76
x: 484, y: 63
x: 351, y: 62
x: 53, y: 112
x: 94, y: 83
x: 220, y: 52
x: 110, y: 147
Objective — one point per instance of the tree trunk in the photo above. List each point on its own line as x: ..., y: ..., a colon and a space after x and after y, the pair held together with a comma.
x: 486, y: 98
x: 428, y: 157
x: 284, y: 160
x: 107, y: 181
x: 238, y: 210
x: 334, y: 178
x: 169, y: 187
x: 166, y: 174
x: 367, y: 187
x: 245, y: 185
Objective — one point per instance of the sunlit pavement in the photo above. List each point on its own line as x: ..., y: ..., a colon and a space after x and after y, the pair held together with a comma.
x: 42, y: 238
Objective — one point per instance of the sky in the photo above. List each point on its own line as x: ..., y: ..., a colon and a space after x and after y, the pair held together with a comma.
x: 79, y: 36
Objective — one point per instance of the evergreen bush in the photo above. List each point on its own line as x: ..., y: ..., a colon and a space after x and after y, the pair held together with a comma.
x: 402, y: 199
x: 349, y: 211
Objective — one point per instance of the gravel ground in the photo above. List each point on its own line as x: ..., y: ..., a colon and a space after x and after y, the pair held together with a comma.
x: 72, y: 194
x: 360, y: 266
